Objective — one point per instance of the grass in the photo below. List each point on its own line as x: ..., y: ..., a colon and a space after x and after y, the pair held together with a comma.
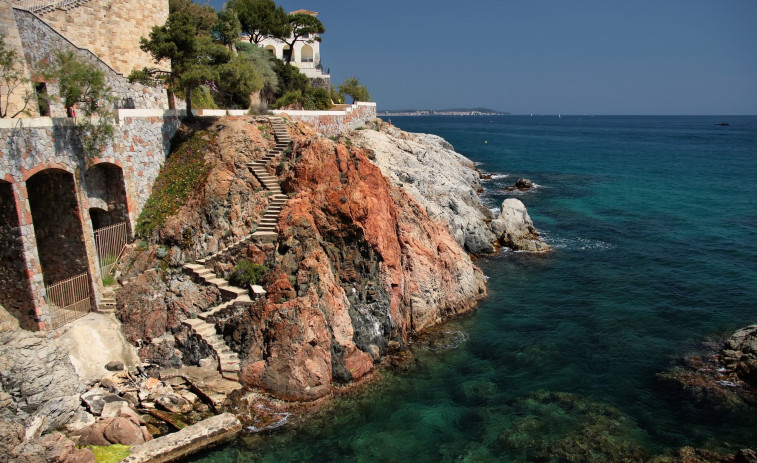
x: 108, y: 280
x: 184, y: 170
x: 111, y: 453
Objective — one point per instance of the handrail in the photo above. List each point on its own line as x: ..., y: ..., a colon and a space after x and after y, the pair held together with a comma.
x: 36, y: 5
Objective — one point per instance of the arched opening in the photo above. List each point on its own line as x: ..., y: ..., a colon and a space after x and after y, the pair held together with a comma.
x: 271, y: 48
x: 106, y: 191
x: 16, y: 293
x: 286, y: 54
x: 60, y: 244
x: 306, y: 53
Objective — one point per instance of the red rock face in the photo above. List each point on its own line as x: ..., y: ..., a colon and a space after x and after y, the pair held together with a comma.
x: 358, y: 264
x: 366, y: 265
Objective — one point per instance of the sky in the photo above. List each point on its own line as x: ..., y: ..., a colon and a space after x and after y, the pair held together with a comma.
x: 597, y: 57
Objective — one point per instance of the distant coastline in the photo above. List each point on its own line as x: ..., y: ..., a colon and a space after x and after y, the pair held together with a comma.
x: 443, y: 112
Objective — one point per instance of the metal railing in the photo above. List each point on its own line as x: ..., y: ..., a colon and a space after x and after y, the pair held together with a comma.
x: 37, y: 5
x: 110, y: 242
x: 68, y: 299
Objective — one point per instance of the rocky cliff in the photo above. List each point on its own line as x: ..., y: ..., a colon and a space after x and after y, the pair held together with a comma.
x: 358, y: 264
x: 447, y: 185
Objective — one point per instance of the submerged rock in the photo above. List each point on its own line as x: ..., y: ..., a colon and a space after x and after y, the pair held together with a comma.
x: 515, y: 229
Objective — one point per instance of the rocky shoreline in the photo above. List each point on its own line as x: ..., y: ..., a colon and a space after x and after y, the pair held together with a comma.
x: 374, y: 245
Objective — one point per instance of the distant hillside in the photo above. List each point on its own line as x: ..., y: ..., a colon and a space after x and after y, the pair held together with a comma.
x: 443, y: 112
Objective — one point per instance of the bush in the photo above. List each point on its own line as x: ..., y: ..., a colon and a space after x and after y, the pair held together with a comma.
x: 183, y: 173
x: 247, y: 273
x: 289, y: 98
x: 317, y: 99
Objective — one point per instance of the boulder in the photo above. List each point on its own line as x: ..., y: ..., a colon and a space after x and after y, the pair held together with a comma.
x: 94, y: 434
x: 739, y: 354
x: 515, y: 229
x: 524, y: 184
x: 173, y: 403
x: 123, y: 431
x: 96, y: 398
x: 115, y: 365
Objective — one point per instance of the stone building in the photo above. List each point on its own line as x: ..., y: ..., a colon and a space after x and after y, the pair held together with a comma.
x: 56, y: 205
x: 306, y: 55
x: 104, y: 32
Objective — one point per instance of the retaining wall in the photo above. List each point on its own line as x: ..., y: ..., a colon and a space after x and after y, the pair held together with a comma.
x: 331, y: 123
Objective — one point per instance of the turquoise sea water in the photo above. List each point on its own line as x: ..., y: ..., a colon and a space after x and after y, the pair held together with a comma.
x: 654, y: 224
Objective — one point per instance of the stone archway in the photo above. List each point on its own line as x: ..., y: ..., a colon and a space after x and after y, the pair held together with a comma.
x: 272, y: 49
x: 106, y: 190
x: 16, y: 293
x: 60, y: 244
x: 108, y: 212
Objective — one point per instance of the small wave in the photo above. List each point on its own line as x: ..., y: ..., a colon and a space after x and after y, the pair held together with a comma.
x: 491, y: 176
x: 283, y: 418
x: 577, y: 244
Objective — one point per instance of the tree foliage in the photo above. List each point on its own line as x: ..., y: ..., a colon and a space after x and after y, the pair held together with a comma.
x: 352, y: 87
x: 227, y: 28
x: 186, y: 42
x: 237, y: 79
x: 303, y: 26
x: 265, y: 64
x: 82, y: 85
x: 261, y: 19
x: 12, y: 81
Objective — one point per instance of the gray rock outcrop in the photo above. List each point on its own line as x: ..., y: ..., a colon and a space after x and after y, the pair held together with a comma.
x: 444, y: 182
x: 39, y: 387
x: 447, y: 185
x: 515, y: 228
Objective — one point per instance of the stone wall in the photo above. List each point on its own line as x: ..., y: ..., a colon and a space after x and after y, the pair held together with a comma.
x: 46, y: 145
x: 16, y: 294
x: 331, y: 123
x: 111, y: 29
x: 40, y: 41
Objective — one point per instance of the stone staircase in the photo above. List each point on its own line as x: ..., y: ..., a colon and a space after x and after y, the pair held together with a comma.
x: 108, y: 301
x: 228, y: 361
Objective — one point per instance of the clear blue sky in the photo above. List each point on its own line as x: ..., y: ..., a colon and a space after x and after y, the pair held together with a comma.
x: 546, y: 56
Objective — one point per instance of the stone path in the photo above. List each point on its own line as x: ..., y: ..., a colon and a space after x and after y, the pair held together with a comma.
x: 228, y: 361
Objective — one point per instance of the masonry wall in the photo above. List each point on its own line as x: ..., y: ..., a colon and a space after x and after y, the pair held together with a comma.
x: 111, y: 29
x: 47, y: 145
x: 40, y: 41
x: 15, y: 294
x: 331, y: 123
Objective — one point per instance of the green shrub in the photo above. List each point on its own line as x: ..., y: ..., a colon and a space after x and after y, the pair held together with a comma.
x: 247, y: 273
x: 184, y: 171
x: 317, y: 99
x: 289, y: 98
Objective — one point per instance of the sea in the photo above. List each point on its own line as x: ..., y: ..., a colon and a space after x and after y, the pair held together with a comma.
x: 653, y: 221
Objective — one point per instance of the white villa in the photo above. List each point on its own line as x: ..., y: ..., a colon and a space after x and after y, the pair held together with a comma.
x: 307, y: 53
